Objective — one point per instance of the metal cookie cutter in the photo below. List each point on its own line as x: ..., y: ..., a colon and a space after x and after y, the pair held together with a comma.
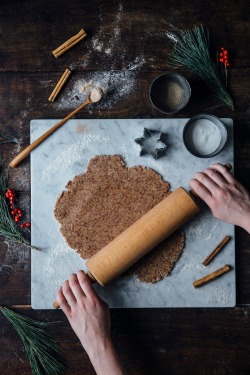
x: 152, y: 143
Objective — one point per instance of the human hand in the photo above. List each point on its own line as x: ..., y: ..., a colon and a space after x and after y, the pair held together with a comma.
x: 89, y: 317
x: 227, y: 198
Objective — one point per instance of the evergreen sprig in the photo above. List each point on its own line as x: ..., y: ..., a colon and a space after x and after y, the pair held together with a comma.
x: 42, y: 349
x: 7, y: 138
x: 192, y: 52
x: 8, y: 227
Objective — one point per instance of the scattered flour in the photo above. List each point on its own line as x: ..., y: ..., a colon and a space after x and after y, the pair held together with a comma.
x: 71, y: 155
x: 58, y: 260
x: 45, y: 83
x: 193, y: 265
x: 115, y: 84
x: 173, y: 37
x: 211, y: 232
x: 108, y: 44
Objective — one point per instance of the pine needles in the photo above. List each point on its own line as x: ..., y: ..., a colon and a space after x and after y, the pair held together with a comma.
x: 8, y: 227
x: 42, y: 350
x: 192, y: 51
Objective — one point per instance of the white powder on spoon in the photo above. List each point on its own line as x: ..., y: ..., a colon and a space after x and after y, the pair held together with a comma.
x: 96, y: 95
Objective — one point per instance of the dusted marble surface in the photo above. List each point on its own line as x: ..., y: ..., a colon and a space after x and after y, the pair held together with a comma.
x: 66, y: 154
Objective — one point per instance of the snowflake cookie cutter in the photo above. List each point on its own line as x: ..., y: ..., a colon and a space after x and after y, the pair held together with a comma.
x: 152, y: 143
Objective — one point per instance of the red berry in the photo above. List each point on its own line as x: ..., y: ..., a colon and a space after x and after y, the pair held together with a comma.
x: 20, y: 214
x: 7, y: 194
x: 16, y: 218
x: 12, y: 213
x: 22, y: 226
x: 221, y: 54
x: 18, y: 210
x: 27, y: 224
x: 11, y: 192
x: 221, y: 60
x: 228, y: 64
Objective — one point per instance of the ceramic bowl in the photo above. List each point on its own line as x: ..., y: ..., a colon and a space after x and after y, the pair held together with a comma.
x: 204, y: 135
x: 169, y: 93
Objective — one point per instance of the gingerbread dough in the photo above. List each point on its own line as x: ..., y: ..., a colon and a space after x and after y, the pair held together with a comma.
x: 101, y: 203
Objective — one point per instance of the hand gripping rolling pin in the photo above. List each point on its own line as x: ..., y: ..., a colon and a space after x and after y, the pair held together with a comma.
x: 142, y: 236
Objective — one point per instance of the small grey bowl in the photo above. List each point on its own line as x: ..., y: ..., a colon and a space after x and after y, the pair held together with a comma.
x: 169, y: 93
x: 189, y: 141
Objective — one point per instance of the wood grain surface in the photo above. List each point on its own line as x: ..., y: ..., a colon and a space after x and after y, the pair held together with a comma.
x: 126, y: 40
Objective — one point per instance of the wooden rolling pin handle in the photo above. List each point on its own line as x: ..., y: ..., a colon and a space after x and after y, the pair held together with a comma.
x: 193, y: 193
x: 33, y: 145
x: 91, y: 279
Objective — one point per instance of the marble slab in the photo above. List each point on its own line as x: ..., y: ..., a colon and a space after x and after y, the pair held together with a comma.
x: 66, y: 154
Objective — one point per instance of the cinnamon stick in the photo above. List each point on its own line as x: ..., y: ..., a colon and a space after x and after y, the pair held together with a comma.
x: 212, y: 276
x: 69, y: 43
x: 218, y: 248
x: 59, y: 85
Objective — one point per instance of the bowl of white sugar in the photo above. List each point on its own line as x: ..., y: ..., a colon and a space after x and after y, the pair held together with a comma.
x: 170, y: 92
x: 204, y: 135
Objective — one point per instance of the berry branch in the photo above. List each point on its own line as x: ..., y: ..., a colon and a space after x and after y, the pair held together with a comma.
x: 8, y: 227
x: 16, y: 212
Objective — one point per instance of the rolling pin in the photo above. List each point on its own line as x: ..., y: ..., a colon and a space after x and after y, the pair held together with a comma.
x: 142, y: 236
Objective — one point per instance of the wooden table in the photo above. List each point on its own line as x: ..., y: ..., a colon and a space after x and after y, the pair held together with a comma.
x: 131, y: 39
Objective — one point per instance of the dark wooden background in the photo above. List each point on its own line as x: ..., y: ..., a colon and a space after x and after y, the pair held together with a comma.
x: 150, y: 341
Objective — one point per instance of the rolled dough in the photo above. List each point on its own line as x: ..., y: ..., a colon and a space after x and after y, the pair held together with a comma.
x: 101, y: 203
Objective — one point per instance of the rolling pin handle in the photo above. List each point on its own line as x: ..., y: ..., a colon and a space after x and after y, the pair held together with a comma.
x: 91, y: 279
x: 193, y: 194
x: 228, y: 166
x: 56, y: 305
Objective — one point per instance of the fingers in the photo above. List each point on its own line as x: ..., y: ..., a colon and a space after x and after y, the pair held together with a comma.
x: 207, y: 181
x: 68, y: 294
x: 62, y: 302
x: 224, y: 172
x: 216, y: 177
x: 75, y: 287
x: 201, y: 191
x: 74, y: 290
x: 86, y: 284
x: 212, y: 179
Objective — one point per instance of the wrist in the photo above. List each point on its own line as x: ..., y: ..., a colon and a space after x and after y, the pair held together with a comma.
x: 104, y: 358
x: 245, y: 221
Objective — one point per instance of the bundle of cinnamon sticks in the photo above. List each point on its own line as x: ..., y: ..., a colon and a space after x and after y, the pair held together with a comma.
x: 59, y: 85
x: 69, y: 43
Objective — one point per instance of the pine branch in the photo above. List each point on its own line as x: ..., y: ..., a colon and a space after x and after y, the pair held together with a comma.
x: 42, y: 350
x: 6, y: 138
x: 192, y: 51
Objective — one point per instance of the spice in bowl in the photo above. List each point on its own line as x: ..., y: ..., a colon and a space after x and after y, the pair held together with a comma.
x: 170, y: 92
x: 173, y: 95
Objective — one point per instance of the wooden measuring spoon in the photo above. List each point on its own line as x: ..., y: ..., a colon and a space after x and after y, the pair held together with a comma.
x: 94, y: 96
